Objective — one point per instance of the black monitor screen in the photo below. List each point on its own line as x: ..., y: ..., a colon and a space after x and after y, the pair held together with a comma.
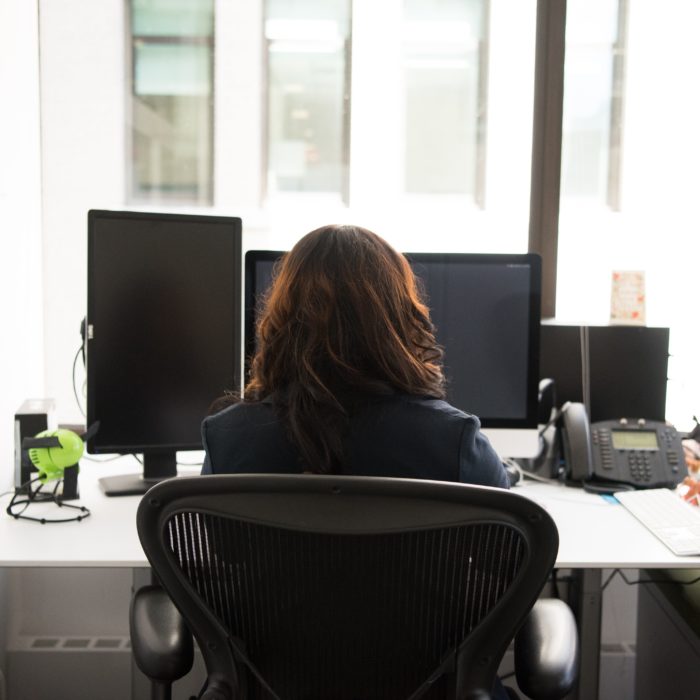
x: 163, y: 327
x: 486, y: 309
x: 259, y: 268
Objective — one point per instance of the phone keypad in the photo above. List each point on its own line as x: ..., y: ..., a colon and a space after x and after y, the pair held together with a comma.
x: 640, y: 466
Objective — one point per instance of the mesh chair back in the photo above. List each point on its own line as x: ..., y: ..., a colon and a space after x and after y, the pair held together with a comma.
x: 330, y: 587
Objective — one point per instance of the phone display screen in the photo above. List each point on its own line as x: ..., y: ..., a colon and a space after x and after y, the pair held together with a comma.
x: 635, y: 440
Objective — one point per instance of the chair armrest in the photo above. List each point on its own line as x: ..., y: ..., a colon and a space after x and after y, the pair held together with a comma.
x: 547, y: 651
x: 161, y: 643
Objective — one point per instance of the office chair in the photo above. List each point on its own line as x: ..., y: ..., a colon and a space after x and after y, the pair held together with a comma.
x: 328, y: 587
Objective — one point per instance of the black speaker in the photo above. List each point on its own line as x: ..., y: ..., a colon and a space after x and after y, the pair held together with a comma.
x: 31, y: 418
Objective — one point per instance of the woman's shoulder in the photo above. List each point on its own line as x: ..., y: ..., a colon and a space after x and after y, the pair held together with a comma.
x: 420, y: 416
x: 247, y: 437
x: 429, y: 405
x: 241, y: 412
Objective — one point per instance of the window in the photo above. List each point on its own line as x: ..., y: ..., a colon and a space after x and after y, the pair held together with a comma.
x: 171, y: 124
x: 308, y: 101
x: 167, y: 104
x: 652, y: 226
x: 593, y: 100
x: 444, y: 73
x: 398, y: 115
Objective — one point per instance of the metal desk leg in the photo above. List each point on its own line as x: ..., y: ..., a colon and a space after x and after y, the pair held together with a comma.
x: 585, y: 600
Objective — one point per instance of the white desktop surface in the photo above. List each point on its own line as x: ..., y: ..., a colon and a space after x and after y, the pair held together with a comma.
x: 597, y: 533
x: 107, y: 538
x: 593, y: 532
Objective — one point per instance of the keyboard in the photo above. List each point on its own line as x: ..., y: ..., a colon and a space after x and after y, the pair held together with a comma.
x: 666, y: 515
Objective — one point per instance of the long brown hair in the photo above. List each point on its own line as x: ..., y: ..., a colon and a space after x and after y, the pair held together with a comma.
x: 343, y: 320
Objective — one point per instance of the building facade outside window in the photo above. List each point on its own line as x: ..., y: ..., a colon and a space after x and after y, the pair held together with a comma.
x: 445, y: 69
x: 308, y: 71
x: 170, y: 111
x: 426, y: 135
x: 401, y: 113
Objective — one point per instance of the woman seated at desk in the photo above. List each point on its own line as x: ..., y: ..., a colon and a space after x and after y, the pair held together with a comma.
x: 347, y: 377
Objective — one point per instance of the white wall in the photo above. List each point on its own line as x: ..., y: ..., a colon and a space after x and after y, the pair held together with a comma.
x: 83, y: 147
x: 21, y: 274
x: 62, y: 150
x: 21, y: 271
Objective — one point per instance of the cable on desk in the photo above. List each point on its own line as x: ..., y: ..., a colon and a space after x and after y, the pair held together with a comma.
x: 556, y: 579
x: 610, y: 578
x: 21, y: 501
x: 536, y: 477
x: 75, y: 390
x: 640, y: 582
x: 101, y: 459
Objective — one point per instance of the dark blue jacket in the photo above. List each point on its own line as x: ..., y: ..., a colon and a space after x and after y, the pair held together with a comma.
x: 395, y: 436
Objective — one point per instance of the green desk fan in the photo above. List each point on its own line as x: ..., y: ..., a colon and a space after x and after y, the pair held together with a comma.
x: 56, y: 455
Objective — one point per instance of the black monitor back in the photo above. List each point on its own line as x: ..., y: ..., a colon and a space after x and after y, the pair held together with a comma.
x: 627, y: 368
x: 163, y: 326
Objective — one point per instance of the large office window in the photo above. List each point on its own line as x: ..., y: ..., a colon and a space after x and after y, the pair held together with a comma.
x: 652, y: 228
x: 171, y: 113
x: 444, y: 72
x: 396, y: 114
x: 433, y: 124
x: 149, y: 63
x: 308, y: 96
x: 593, y: 101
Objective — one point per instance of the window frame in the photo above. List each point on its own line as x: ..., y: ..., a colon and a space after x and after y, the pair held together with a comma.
x: 545, y: 181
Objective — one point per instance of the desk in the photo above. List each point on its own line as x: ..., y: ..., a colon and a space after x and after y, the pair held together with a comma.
x: 594, y: 535
x: 107, y: 538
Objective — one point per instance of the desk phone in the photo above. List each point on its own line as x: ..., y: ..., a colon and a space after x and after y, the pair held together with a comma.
x: 642, y: 453
x: 637, y: 452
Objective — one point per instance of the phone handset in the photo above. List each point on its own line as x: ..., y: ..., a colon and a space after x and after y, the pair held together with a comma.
x: 576, y: 442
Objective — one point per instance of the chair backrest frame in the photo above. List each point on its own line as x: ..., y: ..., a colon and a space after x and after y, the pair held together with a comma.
x: 350, y: 505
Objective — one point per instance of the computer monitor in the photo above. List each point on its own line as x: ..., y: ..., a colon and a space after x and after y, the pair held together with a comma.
x: 486, y: 309
x: 162, y: 333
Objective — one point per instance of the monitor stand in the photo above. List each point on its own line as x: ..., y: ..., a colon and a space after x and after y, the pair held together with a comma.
x: 157, y: 466
x: 514, y: 442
